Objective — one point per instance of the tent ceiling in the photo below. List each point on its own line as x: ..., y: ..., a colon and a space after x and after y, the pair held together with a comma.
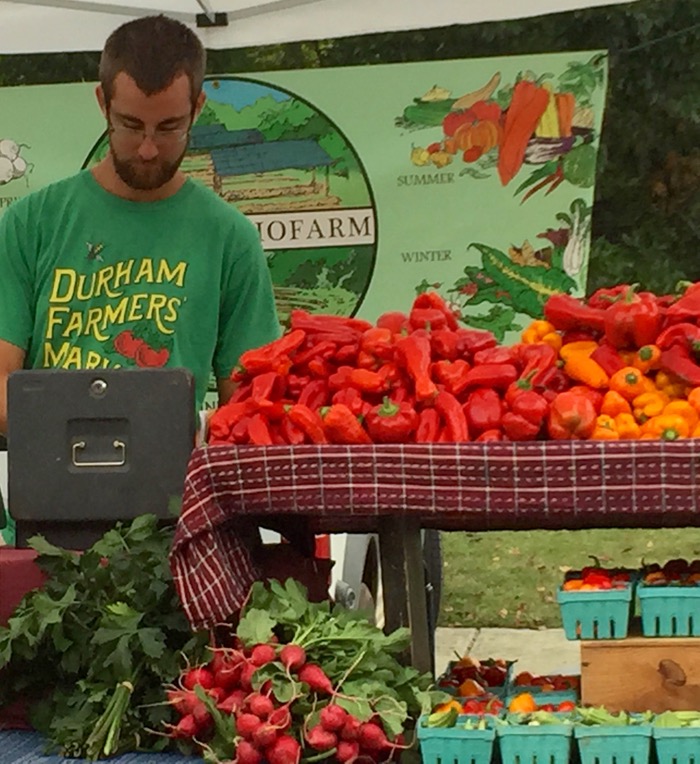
x: 32, y: 26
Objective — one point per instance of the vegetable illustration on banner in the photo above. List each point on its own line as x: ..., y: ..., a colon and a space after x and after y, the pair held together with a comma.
x: 12, y: 165
x: 535, y: 135
x: 531, y: 122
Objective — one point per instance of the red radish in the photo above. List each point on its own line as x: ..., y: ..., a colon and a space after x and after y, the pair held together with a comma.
x: 186, y: 728
x: 260, y: 705
x: 333, y: 717
x: 264, y: 736
x: 217, y: 694
x: 285, y: 750
x: 262, y: 654
x: 320, y: 739
x: 246, y: 679
x: 228, y: 676
x: 348, y: 750
x: 351, y: 729
x: 246, y: 724
x: 293, y: 657
x: 316, y: 678
x: 232, y: 702
x: 198, y: 676
x: 281, y: 718
x: 201, y: 714
x: 247, y: 753
x: 372, y: 737
x: 183, y: 701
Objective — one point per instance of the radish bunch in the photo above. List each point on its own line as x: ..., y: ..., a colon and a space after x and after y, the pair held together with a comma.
x: 268, y: 704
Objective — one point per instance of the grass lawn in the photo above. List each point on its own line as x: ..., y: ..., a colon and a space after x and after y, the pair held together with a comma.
x: 509, y: 578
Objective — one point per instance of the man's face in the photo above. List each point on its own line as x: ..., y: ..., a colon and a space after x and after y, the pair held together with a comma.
x: 148, y: 135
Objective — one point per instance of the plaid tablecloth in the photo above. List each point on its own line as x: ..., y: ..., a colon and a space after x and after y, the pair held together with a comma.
x: 468, y: 486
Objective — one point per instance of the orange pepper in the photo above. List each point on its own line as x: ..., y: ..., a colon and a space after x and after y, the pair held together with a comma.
x: 614, y: 404
x: 628, y: 382
x: 647, y: 358
x: 685, y: 410
x: 627, y: 427
x: 670, y: 385
x: 694, y: 398
x: 541, y: 331
x: 470, y: 688
x: 572, y: 585
x: 579, y: 367
x: 447, y: 706
x: 574, y: 348
x: 524, y: 703
x: 666, y: 427
x: 648, y: 405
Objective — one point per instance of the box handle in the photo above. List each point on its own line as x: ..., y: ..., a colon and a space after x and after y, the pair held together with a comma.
x: 119, y: 446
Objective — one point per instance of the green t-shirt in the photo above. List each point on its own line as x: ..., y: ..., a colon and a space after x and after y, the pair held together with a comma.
x: 91, y: 280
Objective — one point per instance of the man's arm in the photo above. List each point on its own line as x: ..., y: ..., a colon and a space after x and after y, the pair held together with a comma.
x: 11, y: 359
x: 225, y: 388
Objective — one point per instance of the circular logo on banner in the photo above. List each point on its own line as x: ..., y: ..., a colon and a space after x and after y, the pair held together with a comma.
x: 289, y: 168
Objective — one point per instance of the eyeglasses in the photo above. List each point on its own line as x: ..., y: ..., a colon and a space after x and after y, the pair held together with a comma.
x: 161, y: 136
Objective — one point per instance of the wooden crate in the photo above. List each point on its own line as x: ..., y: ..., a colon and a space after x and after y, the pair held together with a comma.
x: 641, y: 673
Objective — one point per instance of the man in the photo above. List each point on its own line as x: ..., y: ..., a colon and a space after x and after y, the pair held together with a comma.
x: 131, y: 263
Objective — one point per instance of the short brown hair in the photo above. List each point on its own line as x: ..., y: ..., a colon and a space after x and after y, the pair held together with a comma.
x: 153, y: 51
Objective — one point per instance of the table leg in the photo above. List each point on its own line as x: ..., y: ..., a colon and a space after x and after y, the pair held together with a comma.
x: 403, y: 579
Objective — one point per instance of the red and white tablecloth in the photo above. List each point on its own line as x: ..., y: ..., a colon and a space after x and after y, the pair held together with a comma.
x: 466, y: 486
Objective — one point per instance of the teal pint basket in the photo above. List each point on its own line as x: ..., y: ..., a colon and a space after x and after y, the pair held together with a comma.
x: 596, y: 614
x: 677, y: 745
x: 614, y: 745
x: 670, y: 611
x: 542, y: 744
x: 456, y: 745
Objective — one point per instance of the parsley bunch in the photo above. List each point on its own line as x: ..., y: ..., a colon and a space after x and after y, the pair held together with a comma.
x: 92, y: 649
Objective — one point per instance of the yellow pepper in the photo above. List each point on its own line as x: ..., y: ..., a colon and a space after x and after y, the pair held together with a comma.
x: 685, y: 410
x: 666, y: 427
x: 628, y: 381
x: 648, y: 405
x: 605, y: 428
x: 627, y: 427
x: 671, y: 385
x: 541, y: 331
x: 614, y: 404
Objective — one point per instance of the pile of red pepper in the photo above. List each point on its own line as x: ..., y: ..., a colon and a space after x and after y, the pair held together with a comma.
x: 411, y: 378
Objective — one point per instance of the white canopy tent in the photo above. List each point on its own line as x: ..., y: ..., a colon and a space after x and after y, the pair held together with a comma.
x: 44, y: 26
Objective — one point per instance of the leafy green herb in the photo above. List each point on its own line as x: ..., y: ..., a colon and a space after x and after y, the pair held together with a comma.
x: 92, y: 649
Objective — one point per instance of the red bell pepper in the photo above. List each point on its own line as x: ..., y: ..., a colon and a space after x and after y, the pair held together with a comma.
x: 532, y: 406
x: 594, y: 396
x: 450, y: 409
x: 315, y: 394
x: 516, y: 427
x: 688, y: 305
x: 566, y: 312
x: 340, y: 425
x: 484, y: 410
x: 685, y: 334
x: 414, y: 352
x: 309, y: 422
x: 498, y: 375
x: 445, y: 344
x: 607, y: 357
x: 679, y: 360
x: 571, y: 417
x: 432, y: 300
x: 451, y: 373
x: 391, y: 422
x: 428, y: 428
x: 275, y: 356
x: 634, y: 320
x: 605, y: 296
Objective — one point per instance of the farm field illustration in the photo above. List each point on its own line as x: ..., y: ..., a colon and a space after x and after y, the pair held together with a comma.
x: 292, y: 172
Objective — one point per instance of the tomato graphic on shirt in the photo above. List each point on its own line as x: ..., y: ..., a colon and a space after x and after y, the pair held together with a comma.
x: 142, y: 347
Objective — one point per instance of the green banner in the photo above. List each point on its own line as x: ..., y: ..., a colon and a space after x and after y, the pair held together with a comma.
x: 371, y: 183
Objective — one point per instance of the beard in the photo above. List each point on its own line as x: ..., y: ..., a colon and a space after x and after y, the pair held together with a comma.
x: 146, y: 175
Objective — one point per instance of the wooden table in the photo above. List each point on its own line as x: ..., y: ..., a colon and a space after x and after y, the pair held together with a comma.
x: 397, y: 490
